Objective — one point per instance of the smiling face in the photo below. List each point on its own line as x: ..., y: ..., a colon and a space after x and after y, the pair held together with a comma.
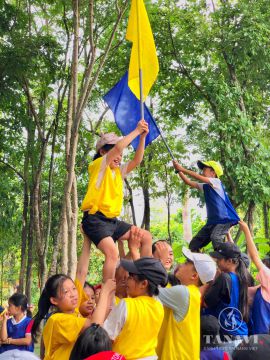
x: 170, y: 259
x: 116, y: 162
x: 67, y: 297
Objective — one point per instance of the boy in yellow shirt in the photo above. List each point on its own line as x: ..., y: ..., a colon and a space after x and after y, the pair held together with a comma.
x: 179, y: 337
x: 103, y: 201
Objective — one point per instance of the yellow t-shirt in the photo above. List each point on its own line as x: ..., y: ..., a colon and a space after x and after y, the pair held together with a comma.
x: 180, y: 340
x: 81, y: 294
x: 60, y: 334
x: 138, y: 338
x: 105, y: 189
x: 62, y: 330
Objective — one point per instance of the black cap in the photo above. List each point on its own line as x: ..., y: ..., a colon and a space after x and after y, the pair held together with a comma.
x: 149, y: 267
x: 255, y: 347
x: 209, y: 325
x: 226, y: 251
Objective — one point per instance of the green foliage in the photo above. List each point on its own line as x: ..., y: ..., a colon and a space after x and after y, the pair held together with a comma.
x: 211, y: 100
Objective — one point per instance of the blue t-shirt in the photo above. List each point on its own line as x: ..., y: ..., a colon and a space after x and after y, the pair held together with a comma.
x: 228, y: 314
x: 17, y: 331
x: 260, y: 315
x: 218, y: 206
x: 213, y: 354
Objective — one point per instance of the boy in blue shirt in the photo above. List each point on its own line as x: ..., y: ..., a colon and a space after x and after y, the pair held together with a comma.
x: 221, y: 215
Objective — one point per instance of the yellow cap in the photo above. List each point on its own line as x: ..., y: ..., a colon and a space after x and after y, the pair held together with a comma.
x: 212, y: 164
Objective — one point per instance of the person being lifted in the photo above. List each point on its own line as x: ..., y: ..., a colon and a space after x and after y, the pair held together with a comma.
x: 104, y: 198
x: 221, y: 214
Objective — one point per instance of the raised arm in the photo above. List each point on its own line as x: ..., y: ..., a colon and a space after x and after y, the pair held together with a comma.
x: 83, y: 263
x: 251, y: 247
x: 187, y: 181
x: 102, y: 309
x: 123, y: 143
x: 140, y: 150
x: 191, y: 173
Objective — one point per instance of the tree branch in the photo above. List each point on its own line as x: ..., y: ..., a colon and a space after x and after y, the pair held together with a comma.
x: 20, y: 175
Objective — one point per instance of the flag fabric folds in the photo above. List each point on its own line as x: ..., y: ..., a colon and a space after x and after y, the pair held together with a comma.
x: 126, y: 109
x: 143, y: 53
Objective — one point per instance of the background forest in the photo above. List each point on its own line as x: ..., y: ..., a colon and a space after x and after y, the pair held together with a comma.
x: 211, y: 100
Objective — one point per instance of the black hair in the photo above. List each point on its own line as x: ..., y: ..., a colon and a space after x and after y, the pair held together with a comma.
x: 154, y: 247
x: 18, y: 300
x: 51, y: 289
x: 152, y: 288
x: 210, y: 328
x: 242, y: 274
x: 87, y: 284
x: 92, y: 341
x: 106, y: 147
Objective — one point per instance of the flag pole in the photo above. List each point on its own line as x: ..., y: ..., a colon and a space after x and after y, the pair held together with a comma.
x: 141, y: 79
x: 140, y: 61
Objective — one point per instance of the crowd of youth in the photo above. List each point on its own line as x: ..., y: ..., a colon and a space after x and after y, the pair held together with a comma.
x: 208, y: 307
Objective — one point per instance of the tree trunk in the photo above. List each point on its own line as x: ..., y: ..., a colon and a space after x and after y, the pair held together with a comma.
x: 28, y: 291
x: 131, y: 203
x: 186, y: 216
x: 250, y: 217
x: 78, y: 98
x: 24, y: 218
x: 266, y: 220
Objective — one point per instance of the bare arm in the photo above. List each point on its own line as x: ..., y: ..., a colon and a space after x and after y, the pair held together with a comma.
x: 253, y: 252
x: 186, y: 180
x: 4, y: 334
x: 191, y: 173
x: 123, y: 143
x: 27, y: 340
x: 139, y: 153
x: 229, y: 237
x: 83, y: 263
x: 121, y: 249
x: 104, y: 302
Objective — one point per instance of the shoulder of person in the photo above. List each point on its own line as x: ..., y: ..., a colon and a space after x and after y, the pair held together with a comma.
x: 97, y: 162
x: 223, y: 276
x: 215, y: 182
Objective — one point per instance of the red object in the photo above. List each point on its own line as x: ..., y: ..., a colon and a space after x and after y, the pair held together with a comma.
x: 98, y: 286
x: 106, y: 355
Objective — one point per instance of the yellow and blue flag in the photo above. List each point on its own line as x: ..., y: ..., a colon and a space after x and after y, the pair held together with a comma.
x: 143, y: 53
x: 126, y: 109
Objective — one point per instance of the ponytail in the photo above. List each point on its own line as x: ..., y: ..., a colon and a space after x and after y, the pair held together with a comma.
x: 51, y: 289
x: 243, y: 296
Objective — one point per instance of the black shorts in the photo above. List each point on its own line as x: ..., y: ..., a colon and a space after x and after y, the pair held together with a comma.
x: 97, y: 226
